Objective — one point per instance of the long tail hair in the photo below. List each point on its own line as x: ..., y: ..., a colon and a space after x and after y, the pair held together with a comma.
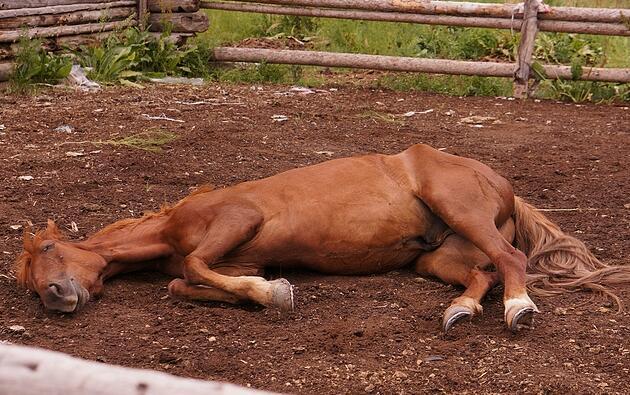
x: 559, y: 263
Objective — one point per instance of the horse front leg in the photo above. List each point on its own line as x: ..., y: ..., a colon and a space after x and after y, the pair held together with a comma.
x: 232, y: 227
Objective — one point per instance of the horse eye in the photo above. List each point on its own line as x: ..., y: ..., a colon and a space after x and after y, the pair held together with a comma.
x: 47, y: 247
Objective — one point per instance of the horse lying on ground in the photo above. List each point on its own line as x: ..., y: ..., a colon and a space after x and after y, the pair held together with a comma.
x: 451, y: 217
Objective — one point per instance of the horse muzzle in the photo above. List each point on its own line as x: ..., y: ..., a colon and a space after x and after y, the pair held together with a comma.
x: 65, y: 295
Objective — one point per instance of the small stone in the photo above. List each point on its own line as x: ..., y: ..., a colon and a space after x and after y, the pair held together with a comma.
x: 17, y: 328
x: 91, y: 207
x: 299, y: 350
x: 400, y: 375
x: 26, y: 178
x: 64, y: 129
x: 627, y: 205
x: 212, y: 339
x: 369, y: 388
x: 560, y: 311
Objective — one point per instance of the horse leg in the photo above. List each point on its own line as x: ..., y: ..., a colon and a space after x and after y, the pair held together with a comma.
x: 471, y: 205
x: 231, y: 227
x: 179, y: 288
x: 457, y: 261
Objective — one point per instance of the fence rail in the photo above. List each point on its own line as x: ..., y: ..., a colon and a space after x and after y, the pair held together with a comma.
x: 528, y: 18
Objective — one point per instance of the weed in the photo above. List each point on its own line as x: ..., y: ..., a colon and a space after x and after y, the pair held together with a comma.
x: 151, y: 141
x: 383, y: 117
x: 33, y: 65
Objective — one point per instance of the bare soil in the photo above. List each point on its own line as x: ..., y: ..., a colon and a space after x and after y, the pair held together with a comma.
x: 372, y: 334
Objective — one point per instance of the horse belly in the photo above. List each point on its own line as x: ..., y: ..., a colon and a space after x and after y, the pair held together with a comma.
x: 367, y: 238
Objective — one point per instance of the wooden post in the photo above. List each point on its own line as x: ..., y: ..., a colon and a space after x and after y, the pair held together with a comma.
x: 529, y: 29
x: 143, y: 9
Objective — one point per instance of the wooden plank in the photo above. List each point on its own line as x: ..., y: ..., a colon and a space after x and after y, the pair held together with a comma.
x: 72, y: 18
x: 62, y: 9
x: 35, y: 371
x: 180, y: 22
x: 153, y: 5
x: 618, y: 29
x: 607, y: 15
x: 13, y: 36
x: 526, y: 49
x: 395, y: 63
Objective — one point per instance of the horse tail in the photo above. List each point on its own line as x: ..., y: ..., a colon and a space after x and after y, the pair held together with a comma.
x: 559, y: 263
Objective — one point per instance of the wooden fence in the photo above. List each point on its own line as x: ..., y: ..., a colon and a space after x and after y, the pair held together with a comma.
x: 76, y: 22
x: 528, y: 18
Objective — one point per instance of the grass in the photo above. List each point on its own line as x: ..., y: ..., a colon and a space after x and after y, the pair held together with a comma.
x: 151, y: 141
x: 402, y: 39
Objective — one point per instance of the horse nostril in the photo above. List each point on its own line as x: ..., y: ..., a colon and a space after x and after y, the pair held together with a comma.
x: 55, y: 289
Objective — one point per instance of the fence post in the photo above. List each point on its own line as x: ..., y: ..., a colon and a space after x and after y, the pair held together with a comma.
x: 142, y: 13
x: 529, y: 29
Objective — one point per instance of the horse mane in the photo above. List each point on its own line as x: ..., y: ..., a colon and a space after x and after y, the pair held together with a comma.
x: 165, y: 209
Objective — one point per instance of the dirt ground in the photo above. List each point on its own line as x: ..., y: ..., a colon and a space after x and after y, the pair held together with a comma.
x: 372, y: 334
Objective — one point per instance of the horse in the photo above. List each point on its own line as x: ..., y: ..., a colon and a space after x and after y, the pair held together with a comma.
x: 452, y: 218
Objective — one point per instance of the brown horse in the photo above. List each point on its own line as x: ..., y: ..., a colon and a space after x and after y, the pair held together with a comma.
x: 451, y: 217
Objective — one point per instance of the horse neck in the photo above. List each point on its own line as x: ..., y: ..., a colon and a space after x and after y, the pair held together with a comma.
x: 127, y: 243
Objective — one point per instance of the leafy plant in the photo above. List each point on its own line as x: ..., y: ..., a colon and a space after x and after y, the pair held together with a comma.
x: 34, y: 65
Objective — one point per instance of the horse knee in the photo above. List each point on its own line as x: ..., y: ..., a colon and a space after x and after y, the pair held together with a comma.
x: 177, y: 288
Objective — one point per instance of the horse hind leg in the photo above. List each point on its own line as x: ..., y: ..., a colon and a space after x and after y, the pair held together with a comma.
x: 472, y: 207
x: 457, y: 261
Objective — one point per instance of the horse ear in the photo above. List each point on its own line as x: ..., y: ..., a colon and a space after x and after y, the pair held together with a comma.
x: 52, y: 230
x: 28, y: 239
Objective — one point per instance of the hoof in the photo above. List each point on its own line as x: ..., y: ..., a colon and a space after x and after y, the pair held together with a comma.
x: 282, y: 296
x: 455, y: 314
x: 519, y: 313
x: 524, y: 318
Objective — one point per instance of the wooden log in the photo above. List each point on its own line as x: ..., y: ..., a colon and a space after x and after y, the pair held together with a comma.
x: 14, y: 36
x: 174, y: 5
x: 63, y: 9
x: 611, y: 29
x: 180, y: 22
x: 394, y: 63
x: 95, y: 38
x: 607, y: 15
x: 154, y: 5
x: 526, y: 49
x: 6, y: 68
x: 72, y: 18
x: 17, y: 4
x: 35, y: 371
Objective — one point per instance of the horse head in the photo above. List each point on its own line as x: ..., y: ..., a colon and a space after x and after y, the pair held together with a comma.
x: 62, y: 274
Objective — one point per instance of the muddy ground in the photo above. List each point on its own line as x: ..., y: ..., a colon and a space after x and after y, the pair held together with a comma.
x: 375, y: 334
